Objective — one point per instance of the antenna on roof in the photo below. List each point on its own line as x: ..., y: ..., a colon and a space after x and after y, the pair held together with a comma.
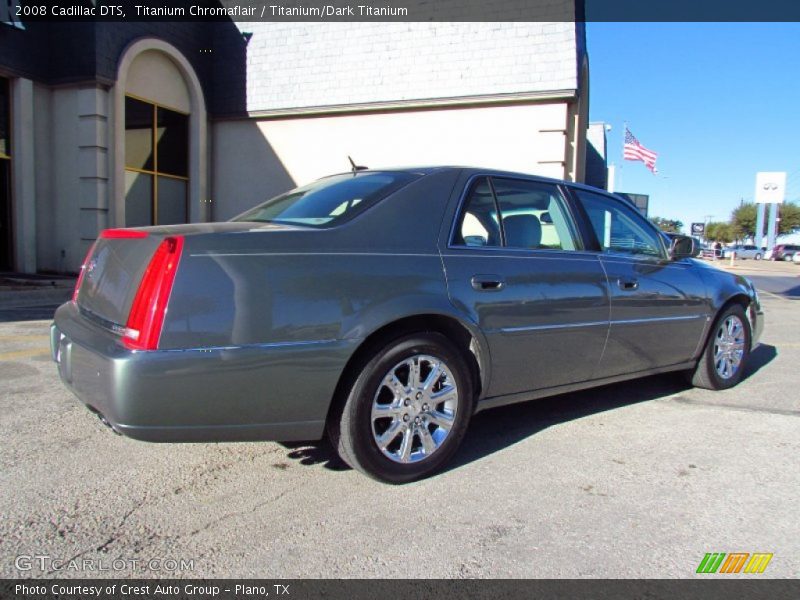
x: 355, y: 167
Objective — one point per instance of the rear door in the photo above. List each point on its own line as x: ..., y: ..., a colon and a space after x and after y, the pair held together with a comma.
x: 658, y: 306
x: 516, y: 265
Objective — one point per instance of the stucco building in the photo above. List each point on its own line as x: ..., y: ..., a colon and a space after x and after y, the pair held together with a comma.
x: 123, y: 124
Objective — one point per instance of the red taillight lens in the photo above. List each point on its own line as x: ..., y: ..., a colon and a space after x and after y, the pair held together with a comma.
x: 146, y: 318
x: 111, y: 234
x: 82, y: 273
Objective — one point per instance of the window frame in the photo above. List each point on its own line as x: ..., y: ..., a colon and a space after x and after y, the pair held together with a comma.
x: 574, y: 220
x: 7, y: 162
x: 5, y: 83
x: 635, y: 215
x: 155, y: 173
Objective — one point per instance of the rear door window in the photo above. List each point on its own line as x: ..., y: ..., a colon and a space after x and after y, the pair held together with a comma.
x: 512, y: 213
x: 533, y: 215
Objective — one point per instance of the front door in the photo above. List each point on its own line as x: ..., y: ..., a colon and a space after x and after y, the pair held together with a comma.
x: 658, y: 306
x: 515, y: 265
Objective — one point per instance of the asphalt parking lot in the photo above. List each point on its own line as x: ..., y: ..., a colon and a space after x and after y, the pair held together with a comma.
x: 639, y: 479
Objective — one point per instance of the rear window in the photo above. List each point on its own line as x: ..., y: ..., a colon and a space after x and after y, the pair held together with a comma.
x: 329, y: 201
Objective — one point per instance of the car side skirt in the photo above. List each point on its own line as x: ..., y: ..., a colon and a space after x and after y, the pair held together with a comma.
x: 497, y: 401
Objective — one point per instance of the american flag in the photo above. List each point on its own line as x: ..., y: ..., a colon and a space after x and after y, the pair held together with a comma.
x: 633, y: 150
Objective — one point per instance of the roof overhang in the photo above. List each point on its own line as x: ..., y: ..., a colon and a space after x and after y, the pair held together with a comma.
x: 566, y: 95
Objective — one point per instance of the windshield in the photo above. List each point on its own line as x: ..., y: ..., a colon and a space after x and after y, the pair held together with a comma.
x: 329, y: 201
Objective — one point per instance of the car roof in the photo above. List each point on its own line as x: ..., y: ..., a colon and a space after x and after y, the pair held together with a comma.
x: 471, y: 170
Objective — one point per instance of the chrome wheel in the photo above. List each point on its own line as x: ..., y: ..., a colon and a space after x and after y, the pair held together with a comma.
x: 729, y: 347
x: 414, y: 408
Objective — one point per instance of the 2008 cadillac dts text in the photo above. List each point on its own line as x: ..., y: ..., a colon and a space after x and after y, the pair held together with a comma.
x: 383, y: 308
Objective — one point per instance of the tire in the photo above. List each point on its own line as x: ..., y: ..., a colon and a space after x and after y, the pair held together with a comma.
x: 757, y: 257
x: 713, y: 374
x: 395, y: 448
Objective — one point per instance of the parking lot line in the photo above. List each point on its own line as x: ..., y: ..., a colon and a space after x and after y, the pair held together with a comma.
x: 22, y: 338
x: 778, y: 296
x: 30, y: 352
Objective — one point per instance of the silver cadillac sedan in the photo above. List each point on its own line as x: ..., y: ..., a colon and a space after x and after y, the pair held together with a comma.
x: 384, y: 308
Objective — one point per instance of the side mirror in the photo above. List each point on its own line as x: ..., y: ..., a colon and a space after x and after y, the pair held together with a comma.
x: 682, y: 246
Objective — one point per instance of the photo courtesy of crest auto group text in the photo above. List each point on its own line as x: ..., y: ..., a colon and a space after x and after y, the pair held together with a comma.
x: 401, y: 298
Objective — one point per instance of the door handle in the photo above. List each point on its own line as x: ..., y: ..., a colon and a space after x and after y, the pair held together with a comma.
x: 487, y: 283
x: 627, y: 284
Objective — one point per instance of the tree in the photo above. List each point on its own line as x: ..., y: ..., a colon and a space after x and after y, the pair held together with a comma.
x: 667, y: 225
x: 790, y: 218
x: 743, y: 219
x: 718, y: 231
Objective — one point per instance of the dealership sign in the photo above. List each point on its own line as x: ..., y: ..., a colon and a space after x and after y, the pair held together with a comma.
x: 770, y: 187
x: 698, y: 228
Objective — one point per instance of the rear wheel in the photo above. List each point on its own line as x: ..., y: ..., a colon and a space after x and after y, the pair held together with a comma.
x: 407, y: 411
x: 727, y: 350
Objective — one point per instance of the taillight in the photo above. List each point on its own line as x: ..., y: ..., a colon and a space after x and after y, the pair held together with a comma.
x: 149, y: 307
x: 82, y: 273
x: 122, y: 234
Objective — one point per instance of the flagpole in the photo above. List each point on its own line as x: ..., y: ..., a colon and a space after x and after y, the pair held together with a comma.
x: 618, y: 182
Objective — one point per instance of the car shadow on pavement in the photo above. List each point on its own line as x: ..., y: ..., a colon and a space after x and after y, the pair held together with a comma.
x: 319, y: 452
x: 496, y: 429
x: 759, y: 358
x: 499, y: 428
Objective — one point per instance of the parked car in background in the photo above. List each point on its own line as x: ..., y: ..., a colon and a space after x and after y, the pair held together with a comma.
x: 743, y: 252
x: 796, y: 258
x: 711, y: 251
x: 387, y: 307
x: 784, y: 251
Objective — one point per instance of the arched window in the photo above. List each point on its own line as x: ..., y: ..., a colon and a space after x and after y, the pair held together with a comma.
x: 160, y: 157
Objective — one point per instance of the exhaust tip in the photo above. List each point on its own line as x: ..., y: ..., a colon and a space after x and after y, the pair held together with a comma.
x: 104, y: 421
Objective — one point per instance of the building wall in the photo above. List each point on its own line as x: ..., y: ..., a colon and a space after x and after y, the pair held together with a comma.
x: 596, y: 169
x: 305, y: 96
x: 254, y: 159
x: 301, y: 65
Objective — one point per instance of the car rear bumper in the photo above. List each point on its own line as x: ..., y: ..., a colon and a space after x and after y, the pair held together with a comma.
x: 279, y: 391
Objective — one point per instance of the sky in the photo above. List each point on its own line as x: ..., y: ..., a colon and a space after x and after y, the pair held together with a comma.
x: 718, y: 102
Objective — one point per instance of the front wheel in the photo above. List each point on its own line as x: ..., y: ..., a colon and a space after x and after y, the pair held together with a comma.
x: 757, y: 257
x: 407, y: 411
x: 726, y: 353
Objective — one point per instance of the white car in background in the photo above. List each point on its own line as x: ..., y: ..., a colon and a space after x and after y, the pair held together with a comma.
x: 796, y: 258
x: 743, y: 251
